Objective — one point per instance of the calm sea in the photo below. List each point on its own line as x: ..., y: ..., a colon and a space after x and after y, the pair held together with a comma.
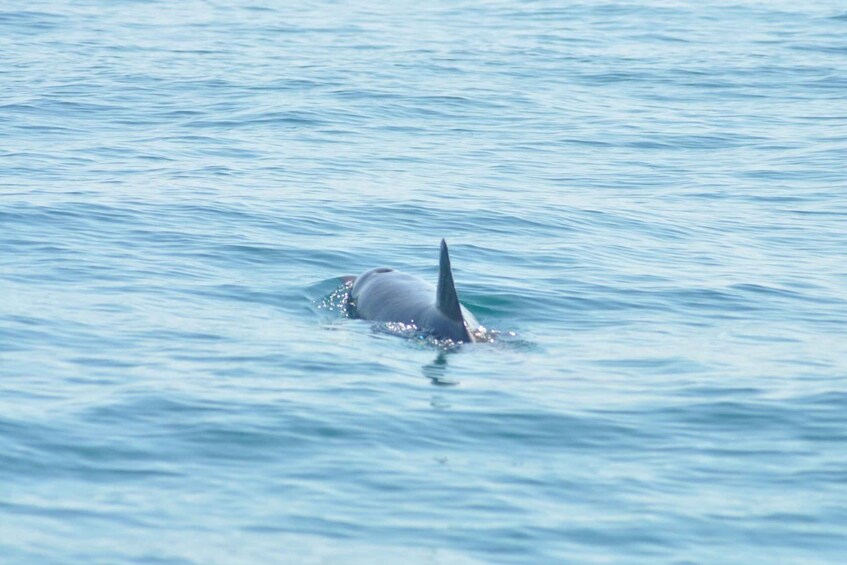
x: 647, y: 200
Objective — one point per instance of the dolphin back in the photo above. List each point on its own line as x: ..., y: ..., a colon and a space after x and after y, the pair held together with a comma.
x: 386, y: 295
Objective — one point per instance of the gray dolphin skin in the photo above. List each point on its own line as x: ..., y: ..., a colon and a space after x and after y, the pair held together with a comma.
x: 386, y: 295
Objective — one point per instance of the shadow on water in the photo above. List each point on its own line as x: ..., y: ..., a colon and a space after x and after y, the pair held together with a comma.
x: 436, y: 371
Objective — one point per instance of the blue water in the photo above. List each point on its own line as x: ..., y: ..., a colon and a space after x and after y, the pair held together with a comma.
x: 646, y: 200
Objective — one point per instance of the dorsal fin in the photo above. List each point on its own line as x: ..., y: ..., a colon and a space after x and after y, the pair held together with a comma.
x: 447, y: 300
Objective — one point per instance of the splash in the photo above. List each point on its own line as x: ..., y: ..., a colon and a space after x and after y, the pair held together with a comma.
x: 337, y: 302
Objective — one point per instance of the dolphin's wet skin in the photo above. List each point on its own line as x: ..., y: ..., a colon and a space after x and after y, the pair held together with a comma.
x: 410, y: 305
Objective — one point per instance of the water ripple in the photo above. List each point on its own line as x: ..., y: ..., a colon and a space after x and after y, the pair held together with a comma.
x: 644, y: 200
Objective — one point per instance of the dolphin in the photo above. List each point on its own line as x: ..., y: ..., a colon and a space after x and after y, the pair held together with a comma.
x: 386, y: 295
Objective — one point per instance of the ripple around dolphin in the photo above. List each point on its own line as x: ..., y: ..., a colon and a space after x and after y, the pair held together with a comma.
x: 334, y: 305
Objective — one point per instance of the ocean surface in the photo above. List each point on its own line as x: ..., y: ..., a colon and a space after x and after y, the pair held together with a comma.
x: 646, y: 203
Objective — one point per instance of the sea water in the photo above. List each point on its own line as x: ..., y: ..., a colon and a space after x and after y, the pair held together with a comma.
x: 646, y: 200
